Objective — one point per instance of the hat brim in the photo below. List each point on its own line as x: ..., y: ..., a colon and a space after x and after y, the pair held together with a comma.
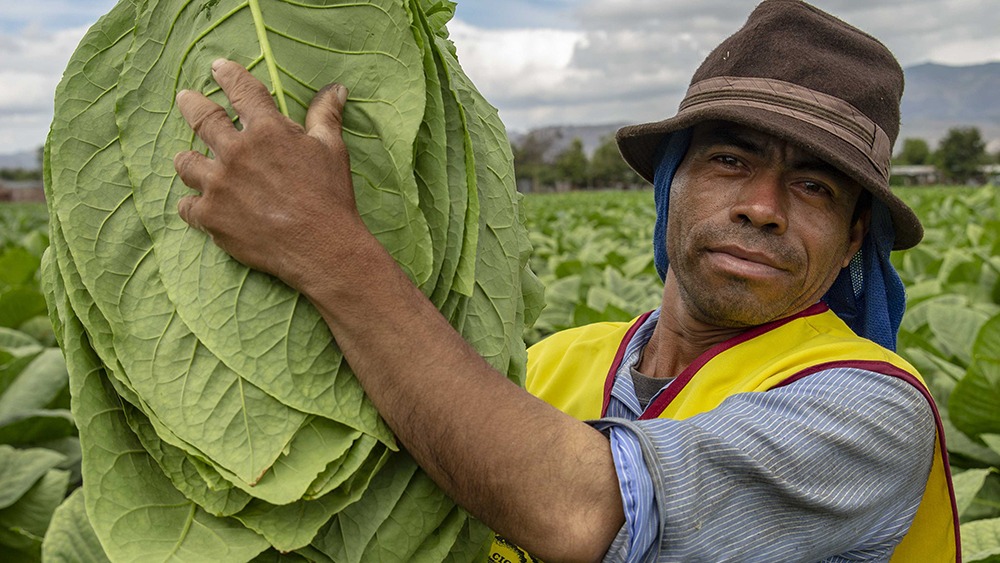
x: 640, y: 144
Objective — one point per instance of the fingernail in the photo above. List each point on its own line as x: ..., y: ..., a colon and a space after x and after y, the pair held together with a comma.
x: 181, y: 93
x: 217, y: 64
x: 342, y: 94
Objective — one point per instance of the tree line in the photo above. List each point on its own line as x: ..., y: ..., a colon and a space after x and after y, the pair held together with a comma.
x: 958, y: 159
x: 20, y: 174
x: 571, y: 168
x: 25, y: 174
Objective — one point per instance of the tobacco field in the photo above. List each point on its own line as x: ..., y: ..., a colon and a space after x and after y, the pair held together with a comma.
x: 592, y: 251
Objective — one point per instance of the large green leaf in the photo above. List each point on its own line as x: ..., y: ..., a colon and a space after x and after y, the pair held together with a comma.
x: 20, y: 470
x: 23, y: 525
x: 70, y: 538
x: 986, y: 503
x: 249, y: 321
x: 987, y: 343
x: 220, y: 382
x: 137, y: 512
x: 981, y: 541
x: 37, y: 386
x: 961, y: 446
x: 125, y: 285
x: 955, y: 327
x: 393, y: 521
x: 17, y: 350
x: 967, y: 485
x: 20, y: 304
x: 28, y: 428
x: 975, y: 401
x: 17, y: 266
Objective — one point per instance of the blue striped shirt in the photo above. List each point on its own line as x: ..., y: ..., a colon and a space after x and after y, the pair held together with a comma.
x: 829, y: 468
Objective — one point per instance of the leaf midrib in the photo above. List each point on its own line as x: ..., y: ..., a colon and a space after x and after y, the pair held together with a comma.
x: 265, y: 47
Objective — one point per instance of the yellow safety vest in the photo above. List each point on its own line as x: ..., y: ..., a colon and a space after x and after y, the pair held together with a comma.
x: 574, y: 371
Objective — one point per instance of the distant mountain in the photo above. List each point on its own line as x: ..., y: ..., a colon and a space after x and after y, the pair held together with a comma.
x: 939, y: 97
x: 27, y: 160
x: 956, y: 93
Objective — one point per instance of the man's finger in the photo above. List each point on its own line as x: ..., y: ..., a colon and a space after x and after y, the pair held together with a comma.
x: 189, y: 209
x: 249, y: 97
x: 193, y: 168
x: 325, y: 116
x: 210, y: 122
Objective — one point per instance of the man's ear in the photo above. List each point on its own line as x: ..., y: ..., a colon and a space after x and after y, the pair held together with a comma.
x: 858, y: 230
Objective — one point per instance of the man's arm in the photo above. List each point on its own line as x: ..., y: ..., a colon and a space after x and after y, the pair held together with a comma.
x: 830, y: 467
x: 280, y: 199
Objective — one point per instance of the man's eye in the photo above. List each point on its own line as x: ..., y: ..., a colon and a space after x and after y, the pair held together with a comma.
x: 728, y: 160
x: 815, y: 188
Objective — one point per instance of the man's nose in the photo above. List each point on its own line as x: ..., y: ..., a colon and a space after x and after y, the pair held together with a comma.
x: 762, y: 202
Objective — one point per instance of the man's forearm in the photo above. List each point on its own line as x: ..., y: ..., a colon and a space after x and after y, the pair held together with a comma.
x: 531, y: 472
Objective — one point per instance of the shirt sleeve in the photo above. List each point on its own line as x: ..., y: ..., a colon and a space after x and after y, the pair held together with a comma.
x: 830, y: 468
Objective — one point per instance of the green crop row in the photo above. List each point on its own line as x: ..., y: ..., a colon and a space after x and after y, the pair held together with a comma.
x: 593, y: 252
x: 39, y: 448
x: 951, y: 333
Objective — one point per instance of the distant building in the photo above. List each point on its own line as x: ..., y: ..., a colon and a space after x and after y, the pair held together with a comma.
x: 928, y: 175
x: 915, y: 174
x: 15, y: 190
x: 992, y: 173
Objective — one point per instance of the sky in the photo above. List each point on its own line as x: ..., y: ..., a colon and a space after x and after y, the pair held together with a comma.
x: 540, y: 62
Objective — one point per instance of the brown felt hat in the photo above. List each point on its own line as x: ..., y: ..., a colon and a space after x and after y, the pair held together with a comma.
x: 800, y: 74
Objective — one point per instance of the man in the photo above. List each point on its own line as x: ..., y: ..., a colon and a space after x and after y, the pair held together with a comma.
x: 773, y: 202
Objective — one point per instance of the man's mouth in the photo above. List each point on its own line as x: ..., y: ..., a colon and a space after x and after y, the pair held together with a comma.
x: 744, y: 262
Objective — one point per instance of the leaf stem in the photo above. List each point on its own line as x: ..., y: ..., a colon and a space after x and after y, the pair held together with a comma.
x: 265, y: 47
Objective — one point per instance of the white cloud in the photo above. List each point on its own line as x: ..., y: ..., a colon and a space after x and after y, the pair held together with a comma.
x: 517, y: 69
x: 24, y: 132
x: 508, y: 58
x: 967, y: 52
x: 631, y: 60
x: 61, y: 11
x: 40, y: 49
x: 26, y: 92
x: 31, y: 65
x: 611, y: 70
x: 956, y: 32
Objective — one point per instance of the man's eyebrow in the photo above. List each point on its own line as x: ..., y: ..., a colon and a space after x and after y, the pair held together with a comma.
x: 737, y: 138
x: 811, y: 163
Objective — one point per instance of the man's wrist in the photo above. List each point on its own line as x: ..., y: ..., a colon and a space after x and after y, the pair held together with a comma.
x: 345, y: 273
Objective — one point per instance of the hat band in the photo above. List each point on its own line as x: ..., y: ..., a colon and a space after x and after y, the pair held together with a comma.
x: 827, y: 112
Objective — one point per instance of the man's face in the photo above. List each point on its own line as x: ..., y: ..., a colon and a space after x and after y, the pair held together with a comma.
x: 758, y: 228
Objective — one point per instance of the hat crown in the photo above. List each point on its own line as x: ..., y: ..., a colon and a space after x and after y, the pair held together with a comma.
x: 791, y: 41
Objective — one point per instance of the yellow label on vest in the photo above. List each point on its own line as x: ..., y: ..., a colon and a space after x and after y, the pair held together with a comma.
x: 504, y: 551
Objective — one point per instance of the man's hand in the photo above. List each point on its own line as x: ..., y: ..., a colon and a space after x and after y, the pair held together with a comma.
x: 275, y: 195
